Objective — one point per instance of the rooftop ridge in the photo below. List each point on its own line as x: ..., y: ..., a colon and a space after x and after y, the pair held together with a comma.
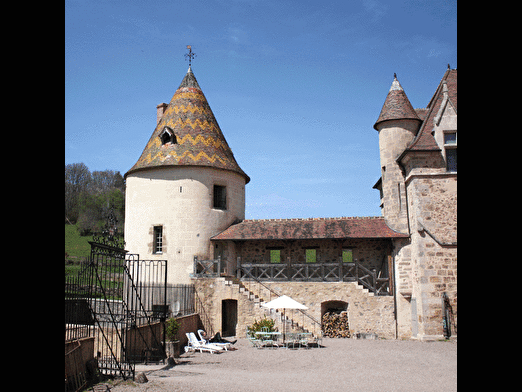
x: 315, y: 219
x: 370, y: 227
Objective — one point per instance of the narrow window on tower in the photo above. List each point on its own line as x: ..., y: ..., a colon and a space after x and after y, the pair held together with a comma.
x: 220, y: 197
x: 400, y: 196
x: 158, y: 240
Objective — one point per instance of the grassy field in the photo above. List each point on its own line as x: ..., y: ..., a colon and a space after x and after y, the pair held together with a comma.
x: 77, y: 248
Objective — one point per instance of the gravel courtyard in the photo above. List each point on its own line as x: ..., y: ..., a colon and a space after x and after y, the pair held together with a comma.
x: 342, y: 365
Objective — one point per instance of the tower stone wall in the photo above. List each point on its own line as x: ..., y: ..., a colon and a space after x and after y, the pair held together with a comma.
x: 181, y: 201
x: 394, y: 138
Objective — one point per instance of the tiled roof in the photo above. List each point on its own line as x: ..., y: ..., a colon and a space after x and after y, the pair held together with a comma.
x: 305, y: 229
x: 425, y: 140
x: 397, y: 106
x: 198, y: 140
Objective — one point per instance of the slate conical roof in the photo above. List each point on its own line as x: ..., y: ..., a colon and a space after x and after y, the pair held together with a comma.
x: 397, y: 106
x: 188, y: 135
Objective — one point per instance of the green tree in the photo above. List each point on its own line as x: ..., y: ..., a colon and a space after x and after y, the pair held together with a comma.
x: 95, y: 207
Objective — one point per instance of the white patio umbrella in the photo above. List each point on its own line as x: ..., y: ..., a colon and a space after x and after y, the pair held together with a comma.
x: 284, y: 302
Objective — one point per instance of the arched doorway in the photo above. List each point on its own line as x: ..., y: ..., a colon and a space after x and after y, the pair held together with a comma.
x: 229, y: 316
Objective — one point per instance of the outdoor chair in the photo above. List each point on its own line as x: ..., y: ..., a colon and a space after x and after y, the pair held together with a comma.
x: 225, y: 346
x: 318, y: 340
x: 268, y: 341
x: 252, y: 338
x: 196, y: 345
x: 304, y: 342
x: 292, y: 340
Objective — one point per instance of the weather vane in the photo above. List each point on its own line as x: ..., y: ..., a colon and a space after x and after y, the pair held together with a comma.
x: 190, y: 55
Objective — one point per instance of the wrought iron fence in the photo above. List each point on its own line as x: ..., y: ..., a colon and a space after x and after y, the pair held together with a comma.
x: 119, y: 300
x: 79, y: 323
x: 181, y: 299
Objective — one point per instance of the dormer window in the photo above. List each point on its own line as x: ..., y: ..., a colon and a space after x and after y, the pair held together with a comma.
x: 168, y: 137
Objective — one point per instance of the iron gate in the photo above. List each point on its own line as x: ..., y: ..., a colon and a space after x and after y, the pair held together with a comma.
x: 127, y: 301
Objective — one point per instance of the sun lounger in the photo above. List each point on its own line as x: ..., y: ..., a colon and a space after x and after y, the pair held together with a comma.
x: 226, y: 346
x: 196, y: 345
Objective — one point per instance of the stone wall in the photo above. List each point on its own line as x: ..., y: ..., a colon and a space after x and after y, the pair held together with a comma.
x: 370, y: 252
x: 367, y: 313
x: 434, y: 241
x: 427, y: 265
x: 433, y: 214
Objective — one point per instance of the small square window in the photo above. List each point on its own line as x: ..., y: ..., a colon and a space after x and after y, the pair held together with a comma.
x: 311, y: 256
x: 450, y: 139
x: 347, y: 255
x: 275, y: 256
x: 220, y: 197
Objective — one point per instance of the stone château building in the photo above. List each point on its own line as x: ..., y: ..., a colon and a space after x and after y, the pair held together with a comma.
x: 419, y: 198
x: 396, y: 275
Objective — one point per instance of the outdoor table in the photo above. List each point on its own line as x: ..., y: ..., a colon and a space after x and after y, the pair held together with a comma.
x: 298, y: 339
x: 269, y: 336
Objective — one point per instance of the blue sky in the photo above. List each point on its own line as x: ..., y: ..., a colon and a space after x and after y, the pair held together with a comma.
x: 296, y: 86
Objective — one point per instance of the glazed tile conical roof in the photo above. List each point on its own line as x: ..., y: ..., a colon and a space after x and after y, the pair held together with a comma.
x: 188, y: 135
x: 397, y: 106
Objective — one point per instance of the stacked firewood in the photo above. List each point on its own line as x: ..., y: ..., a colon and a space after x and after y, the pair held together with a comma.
x: 336, y: 326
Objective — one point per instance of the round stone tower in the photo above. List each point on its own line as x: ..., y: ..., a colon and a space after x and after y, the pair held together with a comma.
x: 398, y: 126
x: 186, y: 187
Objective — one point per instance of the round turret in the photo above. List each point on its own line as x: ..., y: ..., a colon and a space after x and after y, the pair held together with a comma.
x: 398, y: 126
x: 186, y: 187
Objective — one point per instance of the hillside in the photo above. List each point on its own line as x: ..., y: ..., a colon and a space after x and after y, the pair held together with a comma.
x: 76, y: 246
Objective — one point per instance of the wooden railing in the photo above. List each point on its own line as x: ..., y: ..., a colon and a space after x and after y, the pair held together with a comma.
x: 300, y: 272
x: 315, y: 272
x: 207, y: 268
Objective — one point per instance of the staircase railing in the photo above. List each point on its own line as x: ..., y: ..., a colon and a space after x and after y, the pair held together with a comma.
x: 316, y: 323
x: 207, y: 268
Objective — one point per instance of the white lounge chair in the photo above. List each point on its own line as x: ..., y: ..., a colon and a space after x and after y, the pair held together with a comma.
x: 196, y: 345
x: 225, y: 346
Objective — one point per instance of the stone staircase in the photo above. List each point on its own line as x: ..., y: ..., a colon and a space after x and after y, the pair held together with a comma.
x: 292, y: 326
x: 368, y: 311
